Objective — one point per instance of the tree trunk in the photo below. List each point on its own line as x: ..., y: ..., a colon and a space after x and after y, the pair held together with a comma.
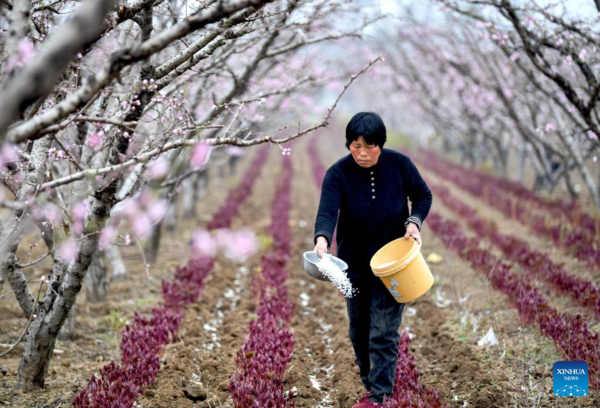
x: 233, y: 163
x: 583, y: 169
x: 42, y: 333
x: 569, y: 183
x: 201, y: 183
x: 521, y: 165
x: 96, y: 283
x: 222, y: 168
x: 500, y: 157
x: 16, y: 225
x: 189, y: 204
x: 117, y: 266
x: 68, y: 331
x: 153, y: 244
x: 171, y: 216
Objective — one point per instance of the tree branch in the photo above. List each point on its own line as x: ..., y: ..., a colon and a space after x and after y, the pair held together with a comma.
x: 118, y: 61
x: 39, y: 77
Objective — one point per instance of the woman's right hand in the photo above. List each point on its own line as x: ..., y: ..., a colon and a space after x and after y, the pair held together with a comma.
x: 321, y: 247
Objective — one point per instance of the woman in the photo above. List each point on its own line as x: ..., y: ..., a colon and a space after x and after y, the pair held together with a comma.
x: 369, y: 187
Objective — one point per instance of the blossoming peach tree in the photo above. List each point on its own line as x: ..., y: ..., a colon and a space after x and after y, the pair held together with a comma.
x: 105, y: 114
x: 487, y: 79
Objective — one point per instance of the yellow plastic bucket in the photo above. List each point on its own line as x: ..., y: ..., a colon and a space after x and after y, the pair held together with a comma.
x: 403, y: 270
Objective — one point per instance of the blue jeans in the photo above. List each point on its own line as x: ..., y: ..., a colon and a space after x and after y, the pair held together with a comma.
x: 375, y: 318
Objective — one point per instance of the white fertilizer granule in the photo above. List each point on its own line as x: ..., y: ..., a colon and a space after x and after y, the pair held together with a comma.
x: 338, y: 277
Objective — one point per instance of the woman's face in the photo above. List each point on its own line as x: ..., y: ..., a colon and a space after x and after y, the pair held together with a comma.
x: 365, y: 155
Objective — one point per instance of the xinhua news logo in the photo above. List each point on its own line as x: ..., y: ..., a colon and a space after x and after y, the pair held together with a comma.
x: 570, y: 378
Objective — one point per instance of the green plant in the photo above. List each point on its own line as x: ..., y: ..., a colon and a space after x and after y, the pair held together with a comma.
x: 116, y: 321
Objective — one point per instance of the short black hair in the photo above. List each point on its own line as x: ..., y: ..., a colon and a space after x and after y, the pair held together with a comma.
x: 369, y: 125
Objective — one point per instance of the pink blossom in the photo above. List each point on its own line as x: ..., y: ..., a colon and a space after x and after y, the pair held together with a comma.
x: 130, y: 207
x: 203, y: 244
x: 146, y: 198
x: 80, y: 210
x: 159, y: 168
x: 25, y: 49
x: 141, y: 225
x: 235, y: 151
x: 582, y: 54
x: 158, y: 210
x: 106, y: 237
x: 8, y: 154
x: 221, y: 236
x: 592, y: 135
x: 77, y: 227
x: 201, y: 154
x: 549, y: 127
x: 94, y: 140
x: 68, y: 250
x: 241, y: 245
x: 51, y: 213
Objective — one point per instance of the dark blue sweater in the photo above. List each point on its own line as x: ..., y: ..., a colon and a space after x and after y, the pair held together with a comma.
x: 372, y: 204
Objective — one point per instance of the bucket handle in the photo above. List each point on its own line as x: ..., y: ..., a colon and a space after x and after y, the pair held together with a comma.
x: 409, y: 260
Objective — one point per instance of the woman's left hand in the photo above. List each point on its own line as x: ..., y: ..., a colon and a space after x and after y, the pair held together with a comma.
x: 413, y: 231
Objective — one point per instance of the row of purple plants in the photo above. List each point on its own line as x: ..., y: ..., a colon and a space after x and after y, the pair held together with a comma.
x: 267, y: 351
x: 571, y: 334
x: 518, y: 250
x: 407, y: 390
x: 143, y: 341
x: 566, y: 224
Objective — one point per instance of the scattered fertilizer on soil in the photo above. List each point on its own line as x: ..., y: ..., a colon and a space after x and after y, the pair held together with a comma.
x: 338, y: 277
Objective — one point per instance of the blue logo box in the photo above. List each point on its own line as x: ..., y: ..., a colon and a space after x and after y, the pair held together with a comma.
x: 570, y: 378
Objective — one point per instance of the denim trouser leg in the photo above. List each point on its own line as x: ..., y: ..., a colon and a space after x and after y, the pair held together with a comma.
x: 375, y: 318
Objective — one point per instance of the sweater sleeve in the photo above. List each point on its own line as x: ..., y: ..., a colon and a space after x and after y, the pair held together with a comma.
x: 329, y: 206
x: 418, y: 192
